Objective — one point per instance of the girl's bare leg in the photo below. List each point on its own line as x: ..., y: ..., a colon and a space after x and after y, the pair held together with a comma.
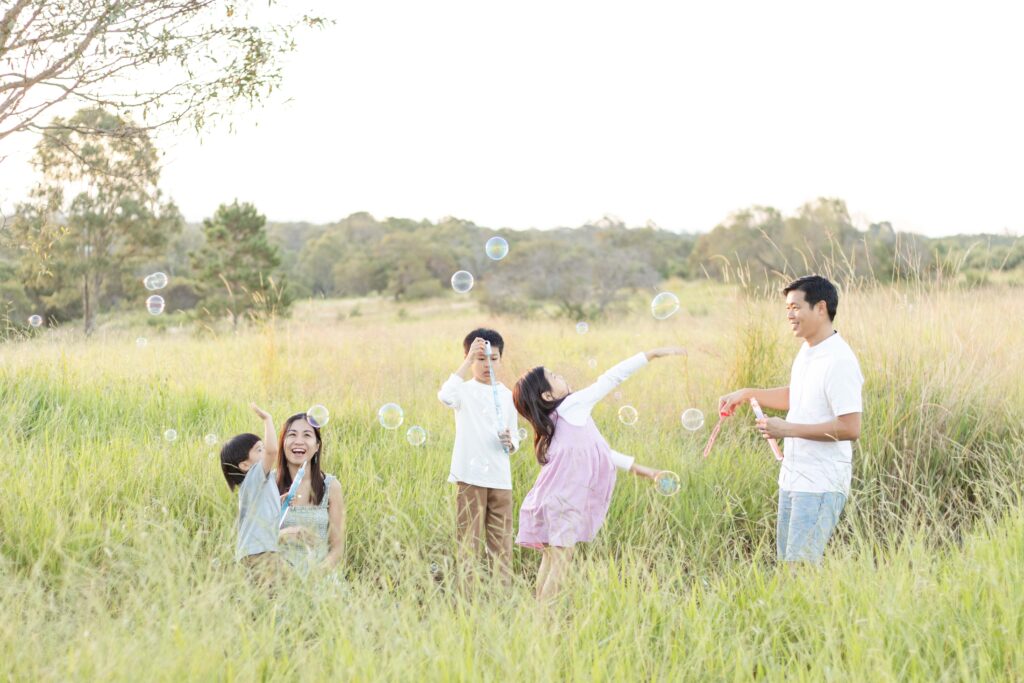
x: 542, y: 573
x: 558, y: 568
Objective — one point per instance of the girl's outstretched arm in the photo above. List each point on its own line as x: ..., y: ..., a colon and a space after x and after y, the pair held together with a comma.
x: 628, y: 463
x: 665, y: 351
x: 269, y: 439
x: 579, y: 403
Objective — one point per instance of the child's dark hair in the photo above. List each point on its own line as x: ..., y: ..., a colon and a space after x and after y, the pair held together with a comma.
x: 487, y: 335
x: 313, y: 471
x: 235, y: 451
x: 815, y: 289
x: 527, y: 395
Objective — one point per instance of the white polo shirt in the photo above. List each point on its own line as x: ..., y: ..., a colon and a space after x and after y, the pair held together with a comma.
x: 825, y: 382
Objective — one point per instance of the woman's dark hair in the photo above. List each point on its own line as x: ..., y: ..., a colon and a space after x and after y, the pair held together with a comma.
x: 815, y: 289
x: 313, y: 471
x: 528, y: 398
x: 235, y: 451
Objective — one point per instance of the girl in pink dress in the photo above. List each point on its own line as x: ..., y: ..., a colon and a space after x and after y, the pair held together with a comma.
x: 570, y: 499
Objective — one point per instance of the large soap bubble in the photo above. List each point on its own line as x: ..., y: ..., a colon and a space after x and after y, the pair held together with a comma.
x: 390, y: 416
x: 462, y: 281
x: 664, y: 305
x: 496, y: 248
x: 155, y: 304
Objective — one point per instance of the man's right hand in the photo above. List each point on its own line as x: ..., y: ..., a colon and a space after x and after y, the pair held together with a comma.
x: 727, y: 404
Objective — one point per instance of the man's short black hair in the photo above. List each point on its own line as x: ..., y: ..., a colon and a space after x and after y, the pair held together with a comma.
x: 486, y: 334
x: 815, y: 289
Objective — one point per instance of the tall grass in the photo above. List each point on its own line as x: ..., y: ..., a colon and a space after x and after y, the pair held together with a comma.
x: 117, y: 546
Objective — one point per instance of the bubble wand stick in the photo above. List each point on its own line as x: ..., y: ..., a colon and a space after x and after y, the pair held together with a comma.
x: 714, y: 432
x: 756, y: 407
x: 291, y: 492
x: 494, y: 391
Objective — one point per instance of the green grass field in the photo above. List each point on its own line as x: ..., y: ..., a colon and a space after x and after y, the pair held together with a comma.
x: 117, y: 546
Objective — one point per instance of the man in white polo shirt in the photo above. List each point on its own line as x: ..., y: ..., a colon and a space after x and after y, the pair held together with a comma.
x: 824, y: 407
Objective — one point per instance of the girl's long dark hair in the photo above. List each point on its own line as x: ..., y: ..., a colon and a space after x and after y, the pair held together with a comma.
x: 528, y: 398
x: 313, y: 471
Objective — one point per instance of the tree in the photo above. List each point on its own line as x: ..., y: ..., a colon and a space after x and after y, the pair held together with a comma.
x: 162, y: 60
x: 84, y: 248
x: 235, y: 267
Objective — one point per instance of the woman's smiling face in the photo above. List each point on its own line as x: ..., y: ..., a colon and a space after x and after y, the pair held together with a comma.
x: 300, y: 442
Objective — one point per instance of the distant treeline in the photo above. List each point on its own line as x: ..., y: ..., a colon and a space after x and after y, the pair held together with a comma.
x: 578, y: 272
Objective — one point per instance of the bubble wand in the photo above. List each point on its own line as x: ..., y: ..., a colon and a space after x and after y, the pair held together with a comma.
x: 494, y: 391
x: 291, y: 492
x: 714, y: 432
x: 756, y: 407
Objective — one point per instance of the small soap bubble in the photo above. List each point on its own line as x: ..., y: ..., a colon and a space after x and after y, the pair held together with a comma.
x: 692, y: 419
x: 390, y: 416
x: 155, y: 281
x: 628, y: 415
x: 667, y: 483
x: 523, y: 434
x: 155, y: 304
x: 416, y: 435
x: 141, y: 342
x: 211, y: 439
x: 35, y: 320
x: 592, y: 363
x: 582, y: 327
x: 496, y: 248
x: 664, y: 305
x: 170, y: 435
x: 318, y: 416
x: 462, y: 281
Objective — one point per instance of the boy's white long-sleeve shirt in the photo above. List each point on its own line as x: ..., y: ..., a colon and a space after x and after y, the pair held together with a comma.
x: 577, y: 406
x: 478, y: 457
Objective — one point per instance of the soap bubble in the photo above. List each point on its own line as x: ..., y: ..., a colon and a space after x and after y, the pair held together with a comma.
x: 318, y: 416
x: 35, y: 320
x: 628, y: 415
x: 155, y: 304
x: 462, y: 281
x: 141, y: 342
x: 496, y: 248
x: 390, y: 416
x: 523, y: 434
x: 667, y: 483
x: 693, y: 419
x: 664, y: 305
x: 171, y: 435
x: 416, y: 435
x: 211, y: 439
x: 582, y: 327
x: 480, y: 465
x: 592, y: 363
x: 155, y: 281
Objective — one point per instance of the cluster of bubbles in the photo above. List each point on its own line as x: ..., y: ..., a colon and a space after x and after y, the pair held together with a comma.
x: 496, y: 249
x: 390, y: 416
x: 318, y: 416
x: 155, y: 303
x: 628, y: 415
x: 664, y: 305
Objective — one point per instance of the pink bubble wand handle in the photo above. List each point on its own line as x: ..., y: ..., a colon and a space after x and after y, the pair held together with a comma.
x: 756, y: 407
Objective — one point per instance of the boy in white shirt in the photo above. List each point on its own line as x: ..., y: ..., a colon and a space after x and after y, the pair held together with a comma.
x: 824, y: 407
x: 480, y: 458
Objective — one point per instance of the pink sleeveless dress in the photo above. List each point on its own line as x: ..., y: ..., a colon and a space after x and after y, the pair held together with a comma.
x: 570, y: 499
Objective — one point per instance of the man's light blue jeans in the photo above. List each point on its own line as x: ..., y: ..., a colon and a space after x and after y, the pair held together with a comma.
x: 806, y: 522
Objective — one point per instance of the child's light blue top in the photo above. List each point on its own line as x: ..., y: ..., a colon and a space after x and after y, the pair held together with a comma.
x: 259, y: 511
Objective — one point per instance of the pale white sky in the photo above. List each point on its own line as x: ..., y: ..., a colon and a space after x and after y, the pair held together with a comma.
x: 541, y: 114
